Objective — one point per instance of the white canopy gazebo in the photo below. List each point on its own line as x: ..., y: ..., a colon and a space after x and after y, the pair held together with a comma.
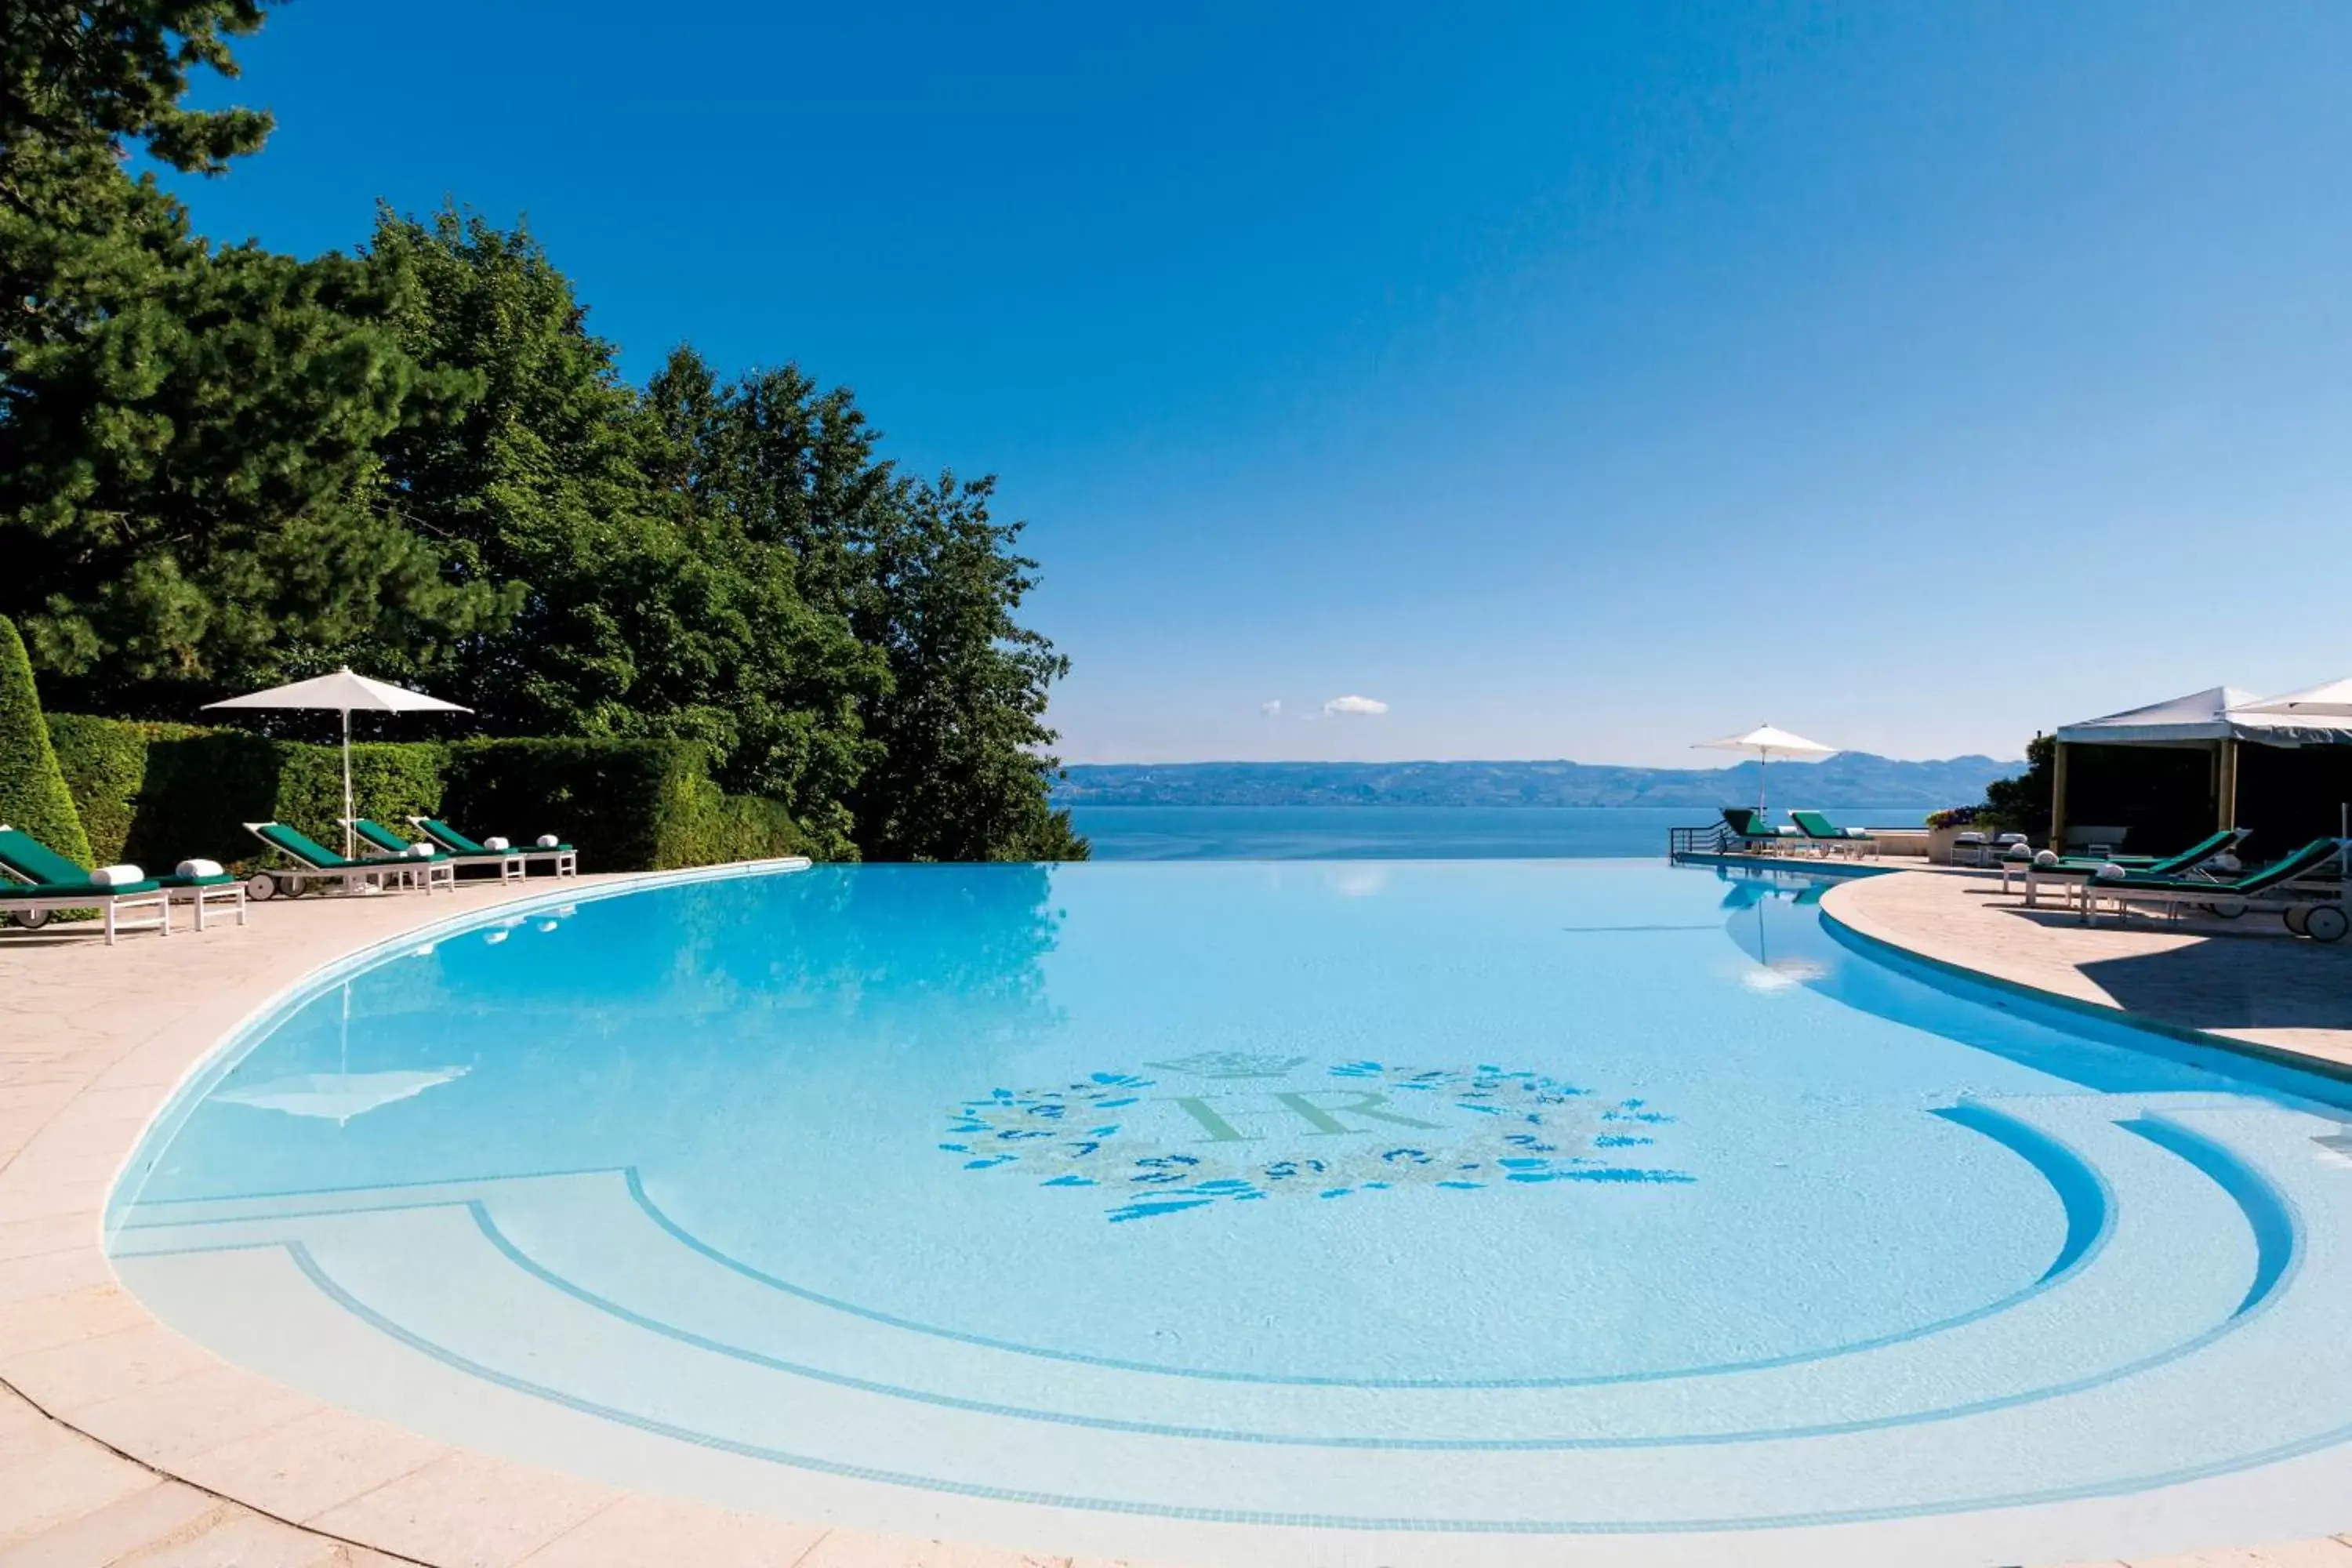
x: 346, y: 693
x: 2218, y: 720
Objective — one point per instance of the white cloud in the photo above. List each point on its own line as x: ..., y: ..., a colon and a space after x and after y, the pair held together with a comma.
x: 1272, y: 707
x: 1363, y: 705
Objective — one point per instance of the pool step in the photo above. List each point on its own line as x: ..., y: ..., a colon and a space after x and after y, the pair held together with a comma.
x: 502, y: 1305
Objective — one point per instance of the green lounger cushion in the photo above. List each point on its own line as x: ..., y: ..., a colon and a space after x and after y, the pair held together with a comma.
x: 317, y: 856
x: 222, y: 880
x: 2302, y: 863
x: 1813, y: 825
x: 384, y: 838
x: 77, y: 889
x: 2150, y: 865
x: 34, y: 861
x: 456, y: 843
x: 54, y: 876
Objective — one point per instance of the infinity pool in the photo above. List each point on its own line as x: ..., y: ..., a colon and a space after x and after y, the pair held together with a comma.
x: 1274, y: 1213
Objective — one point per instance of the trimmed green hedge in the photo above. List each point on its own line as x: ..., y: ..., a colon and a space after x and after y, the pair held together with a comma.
x: 34, y: 796
x: 165, y: 791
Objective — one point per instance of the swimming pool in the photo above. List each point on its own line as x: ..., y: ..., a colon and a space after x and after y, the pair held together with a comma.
x: 1263, y: 1212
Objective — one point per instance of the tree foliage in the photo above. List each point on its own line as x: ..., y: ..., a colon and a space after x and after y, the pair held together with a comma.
x: 224, y: 467
x: 2022, y: 804
x: 34, y: 798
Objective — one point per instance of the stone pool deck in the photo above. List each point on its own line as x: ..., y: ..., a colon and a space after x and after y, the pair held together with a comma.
x: 120, y: 1442
x: 2246, y: 983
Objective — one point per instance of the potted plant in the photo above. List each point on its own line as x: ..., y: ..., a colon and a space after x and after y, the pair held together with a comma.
x: 1945, y: 827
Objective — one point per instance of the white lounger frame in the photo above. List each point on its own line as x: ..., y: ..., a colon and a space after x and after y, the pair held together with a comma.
x: 109, y: 909
x: 511, y: 867
x: 566, y: 861
x: 293, y: 881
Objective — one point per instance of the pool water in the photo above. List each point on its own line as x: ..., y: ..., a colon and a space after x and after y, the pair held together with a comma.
x: 1177, y: 1209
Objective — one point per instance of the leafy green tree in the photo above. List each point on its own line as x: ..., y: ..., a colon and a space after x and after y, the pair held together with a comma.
x: 2021, y: 804
x: 964, y: 772
x: 189, y: 497
x: 954, y: 766
x: 33, y: 795
x: 223, y: 468
x: 105, y: 72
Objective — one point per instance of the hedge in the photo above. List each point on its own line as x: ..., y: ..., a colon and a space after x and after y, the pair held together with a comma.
x: 163, y: 792
x: 34, y: 796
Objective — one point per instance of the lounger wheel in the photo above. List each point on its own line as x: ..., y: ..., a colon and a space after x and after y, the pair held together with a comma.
x: 2327, y: 922
x: 2228, y: 909
x: 2298, y: 918
x: 31, y: 920
x: 261, y: 887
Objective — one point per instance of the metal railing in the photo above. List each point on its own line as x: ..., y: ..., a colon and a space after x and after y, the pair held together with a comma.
x: 1711, y: 840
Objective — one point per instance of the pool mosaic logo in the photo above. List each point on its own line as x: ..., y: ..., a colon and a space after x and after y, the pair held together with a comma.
x: 1241, y: 1127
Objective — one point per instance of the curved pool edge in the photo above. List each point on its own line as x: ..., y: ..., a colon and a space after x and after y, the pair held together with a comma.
x: 1853, y: 912
x: 88, y: 1357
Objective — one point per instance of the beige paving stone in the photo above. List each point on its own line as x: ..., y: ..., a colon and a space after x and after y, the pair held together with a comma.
x: 307, y: 1466
x: 863, y: 1549
x: 67, y: 1478
x: 53, y: 1273
x: 162, y: 1510
x: 168, y: 1422
x: 47, y: 1200
x: 106, y: 1366
x: 2243, y: 980
x: 238, y: 1538
x: 34, y: 1237
x: 2327, y: 1553
x: 467, y: 1510
x: 38, y: 1322
x: 649, y: 1530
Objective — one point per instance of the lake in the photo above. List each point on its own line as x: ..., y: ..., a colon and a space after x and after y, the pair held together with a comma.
x: 1404, y: 832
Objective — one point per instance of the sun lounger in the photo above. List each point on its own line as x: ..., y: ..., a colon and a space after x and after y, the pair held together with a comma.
x: 317, y: 863
x: 507, y: 863
x: 2069, y: 872
x: 45, y: 882
x: 1745, y: 832
x: 1828, y: 839
x: 562, y: 857
x: 2302, y: 888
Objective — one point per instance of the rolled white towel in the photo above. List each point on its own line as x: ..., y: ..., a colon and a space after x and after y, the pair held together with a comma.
x: 419, y: 852
x: 495, y: 844
x: 117, y: 876
x: 2018, y: 852
x: 549, y: 841
x: 199, y: 869
x: 2225, y: 861
x: 2045, y: 857
x: 2108, y: 871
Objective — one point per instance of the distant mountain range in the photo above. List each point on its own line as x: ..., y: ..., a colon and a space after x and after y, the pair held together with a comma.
x: 1850, y: 779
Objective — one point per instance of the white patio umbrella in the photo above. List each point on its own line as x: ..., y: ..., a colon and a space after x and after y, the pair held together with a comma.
x: 2330, y: 701
x: 1763, y: 743
x: 344, y: 692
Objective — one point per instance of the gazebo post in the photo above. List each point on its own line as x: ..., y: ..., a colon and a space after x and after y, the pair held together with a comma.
x: 2058, y: 796
x: 2226, y: 786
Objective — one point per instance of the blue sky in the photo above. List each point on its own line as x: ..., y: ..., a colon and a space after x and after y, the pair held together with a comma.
x: 1574, y: 380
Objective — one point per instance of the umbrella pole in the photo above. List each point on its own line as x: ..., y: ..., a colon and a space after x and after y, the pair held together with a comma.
x: 1763, y: 760
x: 347, y: 783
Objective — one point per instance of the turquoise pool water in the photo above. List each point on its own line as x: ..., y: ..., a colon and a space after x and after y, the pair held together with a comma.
x: 1504, y: 1199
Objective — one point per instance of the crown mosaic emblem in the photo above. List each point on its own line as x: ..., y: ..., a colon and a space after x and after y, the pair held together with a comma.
x: 1230, y: 1064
